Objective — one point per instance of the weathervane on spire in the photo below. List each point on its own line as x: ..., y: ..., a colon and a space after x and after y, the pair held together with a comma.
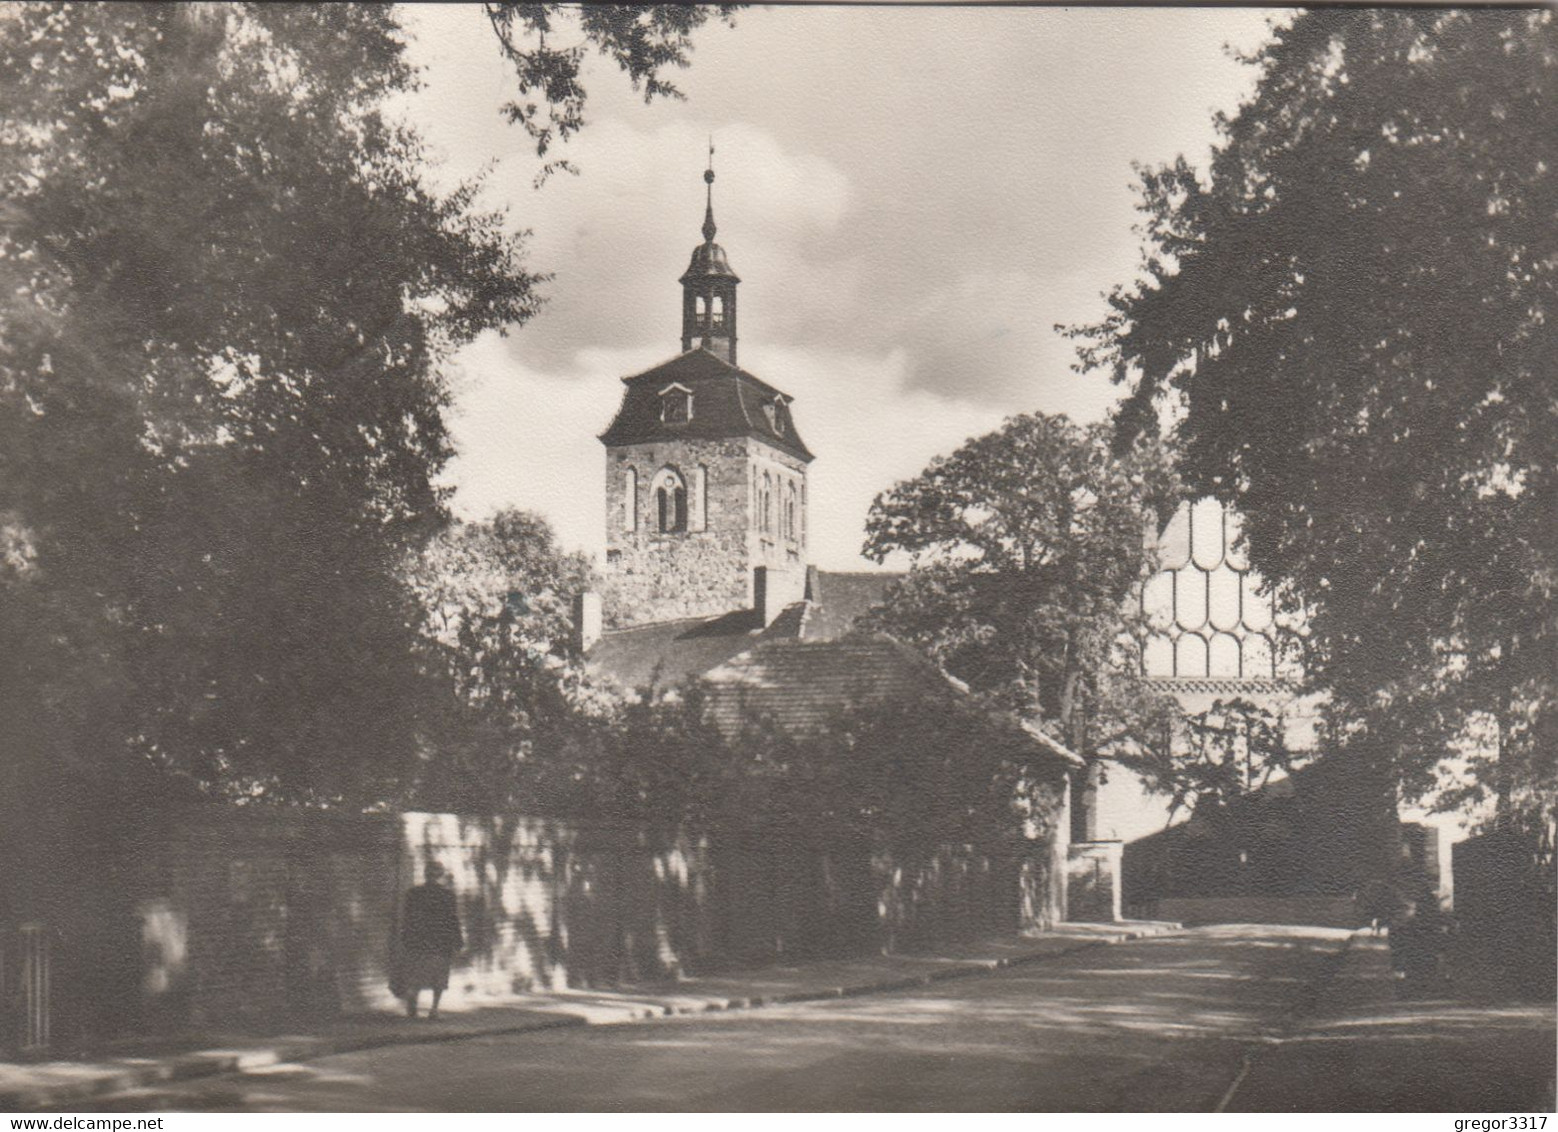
x: 708, y: 179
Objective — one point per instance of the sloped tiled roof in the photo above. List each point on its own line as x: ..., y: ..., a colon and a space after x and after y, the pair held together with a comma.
x: 727, y: 401
x: 801, y: 686
x: 666, y: 654
x: 839, y: 598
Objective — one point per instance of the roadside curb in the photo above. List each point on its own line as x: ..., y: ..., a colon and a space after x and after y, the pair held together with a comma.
x: 132, y: 1073
x: 960, y: 970
x: 137, y: 1072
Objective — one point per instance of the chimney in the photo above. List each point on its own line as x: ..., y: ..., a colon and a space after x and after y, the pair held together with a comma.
x: 813, y: 585
x: 586, y: 620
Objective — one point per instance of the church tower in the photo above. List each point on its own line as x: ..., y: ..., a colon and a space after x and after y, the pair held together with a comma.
x: 705, y: 472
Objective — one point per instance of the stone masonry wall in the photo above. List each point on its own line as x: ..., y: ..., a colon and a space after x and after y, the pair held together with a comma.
x: 706, y: 570
x: 784, y: 556
x: 248, y: 915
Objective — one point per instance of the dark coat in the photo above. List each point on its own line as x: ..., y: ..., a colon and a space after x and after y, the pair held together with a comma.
x: 429, y: 936
x: 431, y: 924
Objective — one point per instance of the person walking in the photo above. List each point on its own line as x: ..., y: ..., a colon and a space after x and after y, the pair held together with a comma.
x: 429, y: 937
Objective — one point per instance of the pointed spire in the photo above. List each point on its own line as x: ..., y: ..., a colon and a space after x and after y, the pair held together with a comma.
x: 708, y: 212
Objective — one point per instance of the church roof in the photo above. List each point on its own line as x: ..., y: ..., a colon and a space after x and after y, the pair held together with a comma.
x: 837, y: 599
x: 727, y: 401
x: 669, y: 653
x: 802, y: 686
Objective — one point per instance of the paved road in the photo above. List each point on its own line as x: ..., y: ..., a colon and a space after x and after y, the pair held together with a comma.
x: 1179, y: 1023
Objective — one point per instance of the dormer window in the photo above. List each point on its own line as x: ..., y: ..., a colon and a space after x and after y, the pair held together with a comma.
x: 774, y: 411
x: 675, y: 404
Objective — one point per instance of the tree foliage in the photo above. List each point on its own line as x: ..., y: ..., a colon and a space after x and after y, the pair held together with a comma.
x: 898, y: 775
x: 1026, y: 545
x: 1354, y: 308
x: 1231, y: 749
x: 912, y: 776
x: 228, y: 293
x: 517, y: 722
x: 642, y: 39
x: 228, y: 297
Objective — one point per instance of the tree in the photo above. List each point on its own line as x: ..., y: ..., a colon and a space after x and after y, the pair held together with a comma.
x: 228, y: 294
x: 1227, y: 751
x: 1026, y: 545
x: 518, y: 721
x: 642, y: 39
x: 1355, y: 308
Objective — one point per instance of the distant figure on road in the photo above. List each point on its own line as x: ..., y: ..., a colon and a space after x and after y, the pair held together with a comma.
x: 429, y: 936
x: 1380, y: 903
x: 1417, y: 941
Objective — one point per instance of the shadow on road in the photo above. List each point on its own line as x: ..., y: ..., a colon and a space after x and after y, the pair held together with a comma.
x: 1166, y: 1024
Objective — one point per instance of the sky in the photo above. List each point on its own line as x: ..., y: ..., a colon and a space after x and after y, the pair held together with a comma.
x: 913, y: 197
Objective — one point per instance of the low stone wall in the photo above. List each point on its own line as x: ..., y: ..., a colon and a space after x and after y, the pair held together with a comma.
x: 1093, y: 881
x: 255, y: 916
x: 548, y: 904
x: 245, y: 915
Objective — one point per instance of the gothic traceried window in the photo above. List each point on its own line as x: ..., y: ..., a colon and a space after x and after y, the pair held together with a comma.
x: 1207, y: 615
x: 670, y: 495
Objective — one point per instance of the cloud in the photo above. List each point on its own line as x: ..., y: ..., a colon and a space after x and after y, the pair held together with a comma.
x: 619, y: 236
x: 989, y: 336
x: 868, y: 430
x: 912, y: 197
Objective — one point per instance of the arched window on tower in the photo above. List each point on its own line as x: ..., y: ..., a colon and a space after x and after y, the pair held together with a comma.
x: 792, y: 509
x: 717, y: 313
x: 670, y: 495
x: 767, y: 504
x: 630, y: 500
x: 700, y: 499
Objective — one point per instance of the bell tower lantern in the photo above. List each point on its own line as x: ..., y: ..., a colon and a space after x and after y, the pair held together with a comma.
x: 709, y: 289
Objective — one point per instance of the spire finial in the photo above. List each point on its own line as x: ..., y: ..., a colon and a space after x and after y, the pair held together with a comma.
x: 708, y: 212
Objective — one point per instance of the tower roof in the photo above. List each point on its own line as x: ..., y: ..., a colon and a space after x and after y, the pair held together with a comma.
x: 708, y: 258
x: 727, y: 401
